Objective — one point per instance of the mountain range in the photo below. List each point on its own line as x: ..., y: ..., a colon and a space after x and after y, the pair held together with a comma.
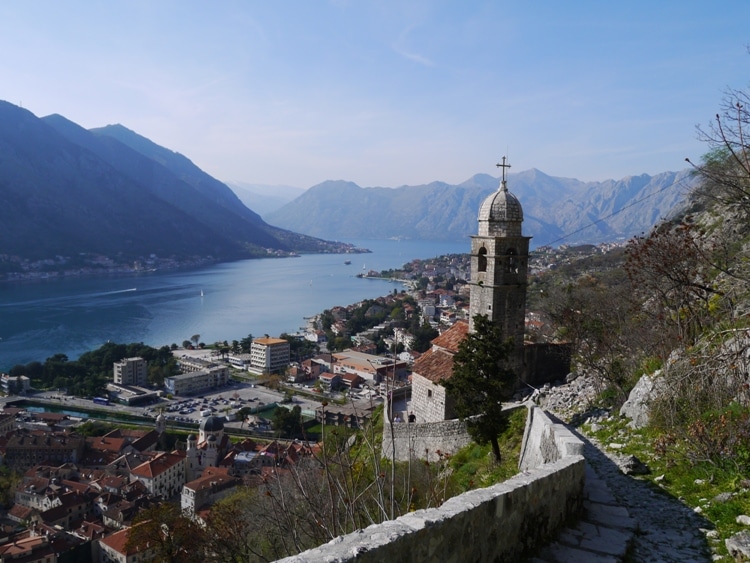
x: 75, y: 197
x: 556, y: 210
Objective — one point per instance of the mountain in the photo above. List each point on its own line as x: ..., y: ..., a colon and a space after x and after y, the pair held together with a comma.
x: 555, y: 209
x: 73, y: 198
x: 264, y: 199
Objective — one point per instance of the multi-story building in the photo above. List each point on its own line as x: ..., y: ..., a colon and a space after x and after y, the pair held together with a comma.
x: 197, y: 381
x: 27, y: 448
x: 162, y: 476
x: 269, y: 355
x: 15, y: 384
x: 214, y: 484
x: 114, y: 549
x: 131, y: 371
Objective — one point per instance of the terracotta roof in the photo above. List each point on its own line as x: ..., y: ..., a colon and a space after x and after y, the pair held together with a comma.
x: 451, y: 338
x: 21, y: 547
x: 218, y: 477
x: 157, y: 466
x: 106, y: 444
x: 118, y: 540
x: 435, y: 365
x: 20, y: 511
x: 90, y: 530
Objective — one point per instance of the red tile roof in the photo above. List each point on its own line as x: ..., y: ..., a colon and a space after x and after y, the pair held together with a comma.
x: 435, y: 365
x: 451, y: 338
x: 158, y: 465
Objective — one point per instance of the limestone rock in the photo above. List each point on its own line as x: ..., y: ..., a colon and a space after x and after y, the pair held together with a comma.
x: 636, y: 408
x: 739, y: 544
x: 631, y: 465
x: 571, y: 377
x: 743, y: 519
x: 722, y: 498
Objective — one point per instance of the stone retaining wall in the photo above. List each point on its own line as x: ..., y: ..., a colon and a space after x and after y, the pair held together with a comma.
x: 424, y: 440
x: 499, y: 523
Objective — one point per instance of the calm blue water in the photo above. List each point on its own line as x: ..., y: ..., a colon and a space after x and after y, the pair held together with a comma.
x: 256, y: 297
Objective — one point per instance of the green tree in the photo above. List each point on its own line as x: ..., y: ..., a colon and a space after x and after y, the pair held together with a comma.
x: 481, y: 382
x: 232, y: 528
x: 423, y: 336
x: 287, y: 422
x: 175, y: 538
x: 246, y: 343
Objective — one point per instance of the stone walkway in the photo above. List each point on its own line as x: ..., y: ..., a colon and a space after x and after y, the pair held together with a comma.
x: 626, y: 519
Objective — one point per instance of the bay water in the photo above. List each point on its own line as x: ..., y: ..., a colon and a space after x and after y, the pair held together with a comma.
x: 220, y: 302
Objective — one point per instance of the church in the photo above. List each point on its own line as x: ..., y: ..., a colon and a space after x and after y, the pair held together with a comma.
x: 208, y: 449
x: 499, y: 271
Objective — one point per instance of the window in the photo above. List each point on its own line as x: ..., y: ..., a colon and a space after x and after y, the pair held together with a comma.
x: 512, y: 263
x: 429, y: 393
x: 482, y: 262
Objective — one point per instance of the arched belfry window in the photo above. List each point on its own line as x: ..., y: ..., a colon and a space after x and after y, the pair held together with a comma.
x: 482, y: 262
x: 512, y: 262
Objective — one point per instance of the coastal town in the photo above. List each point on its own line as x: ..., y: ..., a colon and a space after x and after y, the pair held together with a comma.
x: 212, y: 428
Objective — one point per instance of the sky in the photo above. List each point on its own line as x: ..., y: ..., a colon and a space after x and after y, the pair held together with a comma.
x: 386, y: 93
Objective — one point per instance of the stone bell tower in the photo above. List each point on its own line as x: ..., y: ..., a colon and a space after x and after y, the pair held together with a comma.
x: 499, y: 267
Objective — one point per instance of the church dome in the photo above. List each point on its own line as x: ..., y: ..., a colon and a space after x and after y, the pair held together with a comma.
x: 191, y: 438
x: 212, y: 424
x: 500, y: 214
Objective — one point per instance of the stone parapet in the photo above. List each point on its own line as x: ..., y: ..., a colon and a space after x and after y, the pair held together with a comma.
x: 545, y: 440
x: 504, y: 522
x: 500, y: 523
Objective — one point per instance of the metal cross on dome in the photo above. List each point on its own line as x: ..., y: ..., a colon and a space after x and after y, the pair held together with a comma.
x: 503, y: 166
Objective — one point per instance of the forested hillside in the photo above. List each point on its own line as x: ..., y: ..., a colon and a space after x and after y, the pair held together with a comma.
x: 75, y: 199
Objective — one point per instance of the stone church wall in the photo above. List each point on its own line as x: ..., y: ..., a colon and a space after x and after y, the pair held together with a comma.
x: 429, y: 400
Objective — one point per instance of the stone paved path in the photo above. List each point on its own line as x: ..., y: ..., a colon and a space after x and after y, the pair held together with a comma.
x: 626, y: 519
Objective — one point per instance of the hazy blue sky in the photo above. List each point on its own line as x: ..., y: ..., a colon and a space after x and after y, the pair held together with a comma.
x: 385, y: 93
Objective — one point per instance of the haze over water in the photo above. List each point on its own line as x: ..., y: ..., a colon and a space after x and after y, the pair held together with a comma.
x: 257, y: 297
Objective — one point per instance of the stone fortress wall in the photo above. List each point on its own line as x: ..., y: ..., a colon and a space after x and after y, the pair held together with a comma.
x: 425, y: 440
x: 498, y: 523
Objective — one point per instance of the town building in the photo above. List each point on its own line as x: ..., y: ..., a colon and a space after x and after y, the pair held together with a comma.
x: 164, y: 475
x: 214, y: 484
x: 195, y: 382
x: 113, y: 549
x: 269, y: 355
x: 27, y: 448
x: 368, y: 366
x: 131, y: 371
x: 15, y: 384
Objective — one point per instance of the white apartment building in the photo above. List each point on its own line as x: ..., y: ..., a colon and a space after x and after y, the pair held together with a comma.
x: 131, y: 371
x: 197, y: 381
x: 269, y: 355
x: 164, y: 475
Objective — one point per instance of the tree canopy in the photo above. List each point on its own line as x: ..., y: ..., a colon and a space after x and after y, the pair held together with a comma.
x: 481, y: 381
